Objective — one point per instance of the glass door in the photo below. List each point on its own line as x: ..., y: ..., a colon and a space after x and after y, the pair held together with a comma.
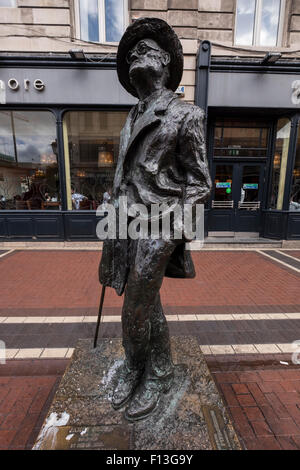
x: 250, y: 179
x: 221, y: 218
x: 236, y: 198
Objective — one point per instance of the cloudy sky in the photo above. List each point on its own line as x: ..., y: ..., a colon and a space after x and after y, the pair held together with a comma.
x: 34, y: 132
x: 89, y: 20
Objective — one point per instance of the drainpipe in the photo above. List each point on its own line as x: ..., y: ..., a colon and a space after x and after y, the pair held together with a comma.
x: 202, y: 75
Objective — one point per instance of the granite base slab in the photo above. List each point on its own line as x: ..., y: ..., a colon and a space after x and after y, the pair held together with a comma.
x: 191, y: 416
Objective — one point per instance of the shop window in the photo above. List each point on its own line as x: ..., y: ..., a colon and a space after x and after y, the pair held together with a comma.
x: 259, y: 22
x: 280, y: 163
x: 29, y: 178
x: 223, y: 187
x: 8, y: 3
x: 295, y: 190
x: 102, y: 20
x: 237, y: 138
x: 91, y: 149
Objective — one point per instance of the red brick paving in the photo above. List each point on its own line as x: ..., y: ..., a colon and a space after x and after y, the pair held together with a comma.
x: 34, y: 277
x: 262, y: 398
x: 264, y: 414
x: 24, y: 401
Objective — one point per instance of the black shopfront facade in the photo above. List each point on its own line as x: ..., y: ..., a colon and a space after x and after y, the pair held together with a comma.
x: 253, y: 139
x: 60, y: 122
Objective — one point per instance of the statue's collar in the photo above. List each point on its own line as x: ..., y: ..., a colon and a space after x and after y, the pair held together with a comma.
x: 158, y: 101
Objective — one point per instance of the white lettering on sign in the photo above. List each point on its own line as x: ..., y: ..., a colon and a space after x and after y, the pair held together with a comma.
x: 39, y: 84
x: 296, y: 92
x: 13, y: 84
x: 26, y: 84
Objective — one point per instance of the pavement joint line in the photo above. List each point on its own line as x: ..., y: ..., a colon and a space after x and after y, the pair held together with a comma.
x: 278, y: 261
x: 288, y: 256
x: 215, y: 349
x: 171, y: 318
x: 7, y: 253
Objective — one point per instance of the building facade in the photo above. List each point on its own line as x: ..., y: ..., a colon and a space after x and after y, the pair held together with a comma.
x: 62, y: 109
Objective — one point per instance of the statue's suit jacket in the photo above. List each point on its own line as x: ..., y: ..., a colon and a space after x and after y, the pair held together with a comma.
x: 167, y: 147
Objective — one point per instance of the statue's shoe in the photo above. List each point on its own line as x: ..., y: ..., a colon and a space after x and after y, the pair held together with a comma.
x: 144, y: 400
x: 127, y: 383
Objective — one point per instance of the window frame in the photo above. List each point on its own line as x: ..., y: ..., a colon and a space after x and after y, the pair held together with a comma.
x: 54, y: 112
x: 102, y: 23
x: 257, y: 26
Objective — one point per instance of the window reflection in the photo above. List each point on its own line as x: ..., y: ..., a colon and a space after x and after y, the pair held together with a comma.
x: 250, y: 183
x: 92, y: 147
x: 257, y: 22
x: 102, y: 21
x: 269, y: 22
x: 7, y: 3
x: 245, y: 22
x: 238, y: 138
x: 295, y: 191
x: 280, y: 163
x: 89, y: 20
x: 223, y: 183
x: 28, y: 161
x: 114, y: 20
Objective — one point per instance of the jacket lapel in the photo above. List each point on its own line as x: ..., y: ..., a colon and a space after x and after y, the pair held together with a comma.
x: 150, y: 118
x: 124, y: 139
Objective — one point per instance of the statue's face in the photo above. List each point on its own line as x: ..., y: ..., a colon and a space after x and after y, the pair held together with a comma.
x: 146, y: 57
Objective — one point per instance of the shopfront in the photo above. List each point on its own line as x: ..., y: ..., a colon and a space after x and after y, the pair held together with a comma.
x: 253, y: 146
x: 60, y: 124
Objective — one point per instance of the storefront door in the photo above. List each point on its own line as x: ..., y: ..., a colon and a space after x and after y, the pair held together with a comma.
x: 237, y: 197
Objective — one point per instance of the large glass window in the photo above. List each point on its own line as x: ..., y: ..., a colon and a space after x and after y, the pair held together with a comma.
x: 237, y: 138
x: 258, y: 22
x: 29, y: 176
x: 223, y: 187
x: 91, y: 148
x: 295, y: 191
x: 102, y: 20
x: 280, y: 163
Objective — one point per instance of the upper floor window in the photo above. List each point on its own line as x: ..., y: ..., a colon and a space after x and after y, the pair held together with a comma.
x: 258, y: 22
x: 102, y: 20
x: 8, y: 3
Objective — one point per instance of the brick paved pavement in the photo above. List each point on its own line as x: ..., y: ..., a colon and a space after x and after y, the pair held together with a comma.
x: 295, y: 253
x: 265, y: 405
x: 26, y: 391
x: 65, y: 282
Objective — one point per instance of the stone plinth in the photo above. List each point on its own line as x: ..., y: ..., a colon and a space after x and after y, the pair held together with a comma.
x: 190, y: 416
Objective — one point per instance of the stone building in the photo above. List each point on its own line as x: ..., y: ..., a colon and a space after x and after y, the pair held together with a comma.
x: 62, y: 108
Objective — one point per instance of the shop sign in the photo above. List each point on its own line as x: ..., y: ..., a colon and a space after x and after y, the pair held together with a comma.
x: 14, y: 85
x: 223, y: 185
x: 250, y: 186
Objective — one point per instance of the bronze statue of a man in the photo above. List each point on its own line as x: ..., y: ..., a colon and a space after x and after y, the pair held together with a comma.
x: 162, y: 159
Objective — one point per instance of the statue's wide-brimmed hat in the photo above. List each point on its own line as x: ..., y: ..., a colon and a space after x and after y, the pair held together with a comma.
x: 166, y: 38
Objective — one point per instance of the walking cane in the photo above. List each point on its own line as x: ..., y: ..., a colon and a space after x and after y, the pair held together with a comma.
x: 99, y: 315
